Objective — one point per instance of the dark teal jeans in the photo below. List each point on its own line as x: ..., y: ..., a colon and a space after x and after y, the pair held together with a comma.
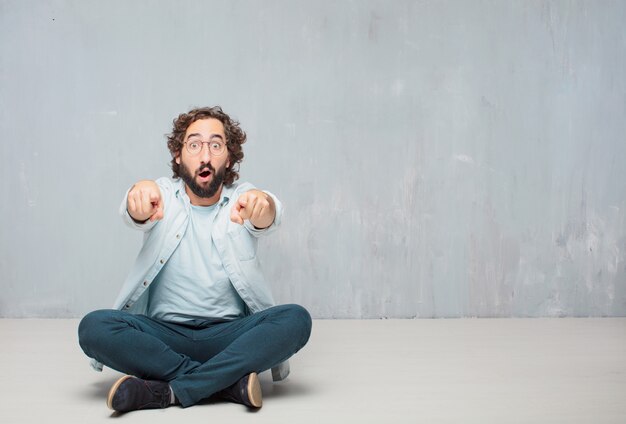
x: 199, y: 359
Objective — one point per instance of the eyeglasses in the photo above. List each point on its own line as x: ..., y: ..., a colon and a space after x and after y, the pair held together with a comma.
x: 216, y: 148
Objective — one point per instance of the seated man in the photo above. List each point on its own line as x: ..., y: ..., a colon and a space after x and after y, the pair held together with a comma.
x: 195, y: 317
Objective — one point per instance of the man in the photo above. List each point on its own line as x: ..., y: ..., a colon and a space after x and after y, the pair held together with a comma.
x: 195, y: 317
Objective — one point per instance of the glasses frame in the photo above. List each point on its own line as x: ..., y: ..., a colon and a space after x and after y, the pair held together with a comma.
x: 224, y: 147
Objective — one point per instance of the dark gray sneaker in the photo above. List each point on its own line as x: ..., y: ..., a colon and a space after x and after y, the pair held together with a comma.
x: 131, y: 393
x: 246, y: 391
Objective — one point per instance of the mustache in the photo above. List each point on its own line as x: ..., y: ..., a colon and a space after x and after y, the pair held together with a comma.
x: 207, y: 167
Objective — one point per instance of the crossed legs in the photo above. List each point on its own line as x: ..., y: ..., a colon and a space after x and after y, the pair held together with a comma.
x: 196, y: 361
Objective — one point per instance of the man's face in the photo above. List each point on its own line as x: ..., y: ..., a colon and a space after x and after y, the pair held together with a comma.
x: 203, y: 173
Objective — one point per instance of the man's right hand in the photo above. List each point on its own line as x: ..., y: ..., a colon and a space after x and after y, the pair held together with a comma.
x: 144, y: 201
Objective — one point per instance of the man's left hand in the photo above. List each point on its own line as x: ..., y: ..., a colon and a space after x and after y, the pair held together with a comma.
x: 256, y: 206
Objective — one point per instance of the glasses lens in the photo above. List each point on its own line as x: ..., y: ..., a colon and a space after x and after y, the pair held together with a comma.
x: 216, y: 148
x: 194, y: 147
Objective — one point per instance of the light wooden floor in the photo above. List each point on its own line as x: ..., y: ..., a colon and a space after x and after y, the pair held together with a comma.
x: 374, y: 371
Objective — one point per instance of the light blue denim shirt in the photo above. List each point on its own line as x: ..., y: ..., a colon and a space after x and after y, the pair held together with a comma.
x: 236, y: 245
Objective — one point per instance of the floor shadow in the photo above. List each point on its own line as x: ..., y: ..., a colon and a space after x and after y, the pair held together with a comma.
x: 285, y: 388
x: 99, y: 389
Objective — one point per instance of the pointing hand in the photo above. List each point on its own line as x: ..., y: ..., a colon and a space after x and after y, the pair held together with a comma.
x: 256, y: 206
x: 144, y: 201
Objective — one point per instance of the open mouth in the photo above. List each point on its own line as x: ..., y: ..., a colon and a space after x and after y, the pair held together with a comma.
x: 204, y: 175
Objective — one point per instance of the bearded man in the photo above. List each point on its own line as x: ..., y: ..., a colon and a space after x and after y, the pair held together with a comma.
x: 195, y: 318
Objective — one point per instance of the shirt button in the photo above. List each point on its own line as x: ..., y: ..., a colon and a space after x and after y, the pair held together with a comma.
x: 145, y: 283
x: 177, y: 236
x: 162, y: 261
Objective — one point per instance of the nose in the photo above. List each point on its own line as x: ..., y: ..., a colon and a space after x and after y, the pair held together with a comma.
x: 204, y: 153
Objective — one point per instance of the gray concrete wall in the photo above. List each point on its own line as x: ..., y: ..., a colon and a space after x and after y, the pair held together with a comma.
x: 436, y: 158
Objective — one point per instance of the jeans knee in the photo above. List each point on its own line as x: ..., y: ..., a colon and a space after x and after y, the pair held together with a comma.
x: 301, y: 318
x: 90, y: 329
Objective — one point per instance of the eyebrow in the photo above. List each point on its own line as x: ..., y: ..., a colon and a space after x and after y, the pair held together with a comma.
x: 212, y: 136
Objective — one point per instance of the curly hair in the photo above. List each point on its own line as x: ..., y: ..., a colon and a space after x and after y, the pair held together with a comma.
x: 235, y: 137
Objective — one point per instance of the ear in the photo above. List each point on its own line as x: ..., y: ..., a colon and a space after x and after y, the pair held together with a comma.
x: 177, y: 158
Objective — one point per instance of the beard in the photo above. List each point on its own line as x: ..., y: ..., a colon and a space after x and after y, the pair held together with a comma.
x: 208, y: 190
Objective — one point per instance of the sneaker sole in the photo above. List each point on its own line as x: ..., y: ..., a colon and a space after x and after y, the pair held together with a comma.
x: 254, y: 390
x: 114, y: 388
